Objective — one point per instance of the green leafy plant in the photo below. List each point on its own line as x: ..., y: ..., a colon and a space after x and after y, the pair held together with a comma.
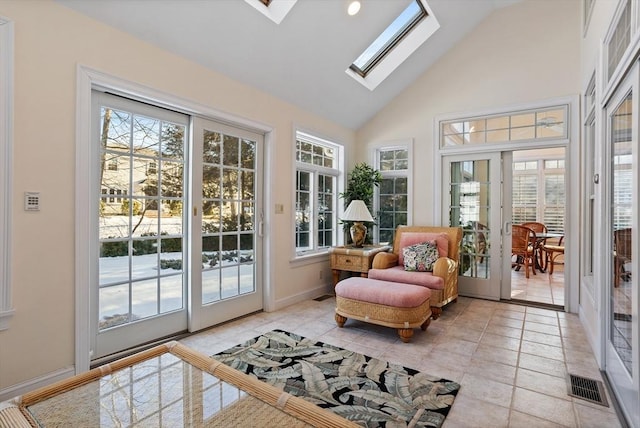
x: 361, y: 182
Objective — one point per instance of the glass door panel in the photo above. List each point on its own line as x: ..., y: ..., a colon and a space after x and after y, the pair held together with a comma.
x: 621, y: 207
x: 622, y: 356
x: 225, y: 269
x: 472, y: 201
x: 140, y: 293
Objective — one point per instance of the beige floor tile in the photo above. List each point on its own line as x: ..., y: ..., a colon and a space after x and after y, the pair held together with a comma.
x: 552, y: 319
x: 454, y: 345
x: 544, y: 406
x: 504, y: 331
x: 547, y: 339
x: 542, y: 350
x: 591, y: 417
x: 499, y: 355
x: 542, y: 328
x: 542, y: 383
x: 522, y: 420
x: 470, y: 412
x: 543, y: 365
x: 486, y: 390
x: 504, y: 342
x: 498, y: 372
x: 503, y: 321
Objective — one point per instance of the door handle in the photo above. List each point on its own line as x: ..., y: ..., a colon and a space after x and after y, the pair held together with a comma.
x: 507, y: 227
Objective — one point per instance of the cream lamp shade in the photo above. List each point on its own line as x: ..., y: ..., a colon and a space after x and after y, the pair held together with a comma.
x: 357, y: 212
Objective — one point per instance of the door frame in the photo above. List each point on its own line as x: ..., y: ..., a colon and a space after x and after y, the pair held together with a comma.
x: 572, y: 176
x: 480, y: 287
x: 626, y: 387
x: 87, y: 80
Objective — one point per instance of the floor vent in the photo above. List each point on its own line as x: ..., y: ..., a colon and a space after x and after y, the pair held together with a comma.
x: 324, y: 297
x: 587, y: 389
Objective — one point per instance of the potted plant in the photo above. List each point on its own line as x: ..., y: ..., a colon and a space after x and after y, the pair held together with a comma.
x: 360, y: 186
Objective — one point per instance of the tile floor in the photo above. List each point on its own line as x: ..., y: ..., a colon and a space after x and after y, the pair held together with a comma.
x: 510, y: 360
x: 540, y: 288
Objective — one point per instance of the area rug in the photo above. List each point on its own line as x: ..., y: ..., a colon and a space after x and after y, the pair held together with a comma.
x: 365, y: 390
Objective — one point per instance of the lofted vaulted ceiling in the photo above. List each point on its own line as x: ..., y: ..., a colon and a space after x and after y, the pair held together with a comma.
x: 301, y: 60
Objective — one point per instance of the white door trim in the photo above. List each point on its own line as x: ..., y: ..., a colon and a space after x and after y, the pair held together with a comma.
x: 88, y: 79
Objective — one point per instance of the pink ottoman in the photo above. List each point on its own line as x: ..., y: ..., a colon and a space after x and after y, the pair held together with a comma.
x: 391, y: 304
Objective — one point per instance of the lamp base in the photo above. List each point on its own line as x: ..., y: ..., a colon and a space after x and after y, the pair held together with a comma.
x: 358, y: 234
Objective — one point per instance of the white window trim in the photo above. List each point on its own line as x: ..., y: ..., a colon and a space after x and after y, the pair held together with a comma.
x: 407, y: 46
x: 311, y: 256
x: 375, y: 149
x: 6, y: 140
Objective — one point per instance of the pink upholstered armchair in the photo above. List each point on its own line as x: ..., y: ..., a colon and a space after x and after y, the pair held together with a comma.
x: 442, y: 280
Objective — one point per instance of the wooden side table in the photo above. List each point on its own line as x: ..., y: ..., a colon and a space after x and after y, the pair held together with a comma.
x: 351, y: 259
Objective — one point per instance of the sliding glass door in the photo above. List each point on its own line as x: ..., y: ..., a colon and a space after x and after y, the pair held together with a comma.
x: 141, y: 291
x: 176, y: 221
x: 622, y: 336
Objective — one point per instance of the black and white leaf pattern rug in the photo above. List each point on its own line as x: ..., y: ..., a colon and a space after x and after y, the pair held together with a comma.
x: 365, y: 390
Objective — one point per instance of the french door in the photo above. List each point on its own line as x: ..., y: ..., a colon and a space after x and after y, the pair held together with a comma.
x: 176, y: 224
x: 472, y: 199
x: 621, y: 237
x: 226, y: 223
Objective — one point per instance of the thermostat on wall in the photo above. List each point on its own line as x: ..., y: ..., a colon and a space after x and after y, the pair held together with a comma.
x: 32, y: 201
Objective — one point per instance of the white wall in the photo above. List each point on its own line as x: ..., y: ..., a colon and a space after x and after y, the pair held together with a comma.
x: 526, y: 52
x: 50, y: 40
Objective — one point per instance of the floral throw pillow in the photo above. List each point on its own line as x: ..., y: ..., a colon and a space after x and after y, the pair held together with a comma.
x: 420, y: 257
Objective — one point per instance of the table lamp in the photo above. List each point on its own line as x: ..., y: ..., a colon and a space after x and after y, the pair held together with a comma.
x: 357, y: 212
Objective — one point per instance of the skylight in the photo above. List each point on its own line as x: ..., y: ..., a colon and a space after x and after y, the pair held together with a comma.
x: 275, y: 10
x: 389, y: 38
x: 395, y: 44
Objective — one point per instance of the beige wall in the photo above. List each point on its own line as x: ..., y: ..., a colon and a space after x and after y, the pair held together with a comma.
x: 50, y: 40
x: 526, y: 52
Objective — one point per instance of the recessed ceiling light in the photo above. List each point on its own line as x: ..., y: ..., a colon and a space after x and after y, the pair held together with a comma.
x: 354, y: 7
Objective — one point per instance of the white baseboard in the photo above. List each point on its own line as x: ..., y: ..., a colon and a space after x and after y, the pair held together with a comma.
x: 301, y: 297
x: 33, y: 384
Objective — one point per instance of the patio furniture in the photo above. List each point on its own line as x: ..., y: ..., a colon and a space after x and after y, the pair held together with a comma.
x: 443, y: 277
x: 523, y: 241
x: 622, y: 255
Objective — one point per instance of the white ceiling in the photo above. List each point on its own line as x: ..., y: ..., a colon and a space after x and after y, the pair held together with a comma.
x: 302, y: 60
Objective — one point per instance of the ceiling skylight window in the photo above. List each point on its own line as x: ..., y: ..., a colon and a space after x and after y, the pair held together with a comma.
x: 399, y: 40
x: 275, y: 10
x: 389, y: 38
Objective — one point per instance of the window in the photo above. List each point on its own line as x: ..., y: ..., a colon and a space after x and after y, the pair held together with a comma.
x: 620, y: 38
x: 391, y: 203
x: 6, y: 135
x: 588, y: 208
x: 317, y: 172
x: 394, y: 45
x: 538, y: 193
x: 274, y: 10
x: 389, y: 38
x: 534, y: 125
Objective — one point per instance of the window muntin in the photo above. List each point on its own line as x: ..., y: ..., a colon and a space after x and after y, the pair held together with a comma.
x: 542, y: 124
x: 316, y: 194
x: 389, y: 38
x: 392, y: 195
